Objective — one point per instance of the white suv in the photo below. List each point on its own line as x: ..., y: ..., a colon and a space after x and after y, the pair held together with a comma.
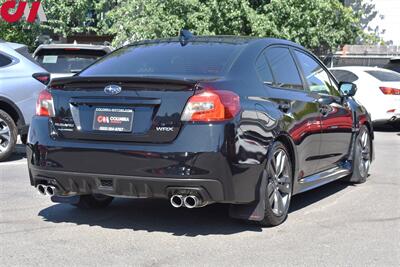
x: 21, y: 80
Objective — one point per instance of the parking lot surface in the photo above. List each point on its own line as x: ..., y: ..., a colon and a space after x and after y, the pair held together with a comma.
x: 336, y: 225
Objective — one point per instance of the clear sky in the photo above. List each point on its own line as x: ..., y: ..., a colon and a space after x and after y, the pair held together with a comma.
x: 390, y: 9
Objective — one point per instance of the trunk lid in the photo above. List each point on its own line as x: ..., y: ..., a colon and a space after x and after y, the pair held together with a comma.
x: 132, y: 109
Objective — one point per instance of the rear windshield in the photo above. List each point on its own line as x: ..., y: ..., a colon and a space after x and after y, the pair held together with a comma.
x: 167, y: 59
x: 385, y: 76
x: 67, y: 60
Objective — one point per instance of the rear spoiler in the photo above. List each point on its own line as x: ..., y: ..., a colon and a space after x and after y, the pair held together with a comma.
x: 153, y: 80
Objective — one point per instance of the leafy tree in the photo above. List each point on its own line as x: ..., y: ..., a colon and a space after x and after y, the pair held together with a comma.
x: 365, y: 9
x: 319, y: 25
x: 230, y: 17
x: 316, y: 24
x: 18, y: 32
x: 70, y: 17
x: 148, y: 19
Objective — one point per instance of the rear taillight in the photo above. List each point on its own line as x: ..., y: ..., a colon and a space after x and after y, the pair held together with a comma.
x: 45, y: 104
x: 390, y: 90
x: 42, y: 77
x: 211, y: 105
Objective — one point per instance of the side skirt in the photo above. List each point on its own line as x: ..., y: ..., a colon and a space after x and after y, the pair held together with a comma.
x: 321, y: 178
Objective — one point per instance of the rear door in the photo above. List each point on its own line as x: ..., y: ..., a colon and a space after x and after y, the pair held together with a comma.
x: 299, y: 107
x: 336, y: 117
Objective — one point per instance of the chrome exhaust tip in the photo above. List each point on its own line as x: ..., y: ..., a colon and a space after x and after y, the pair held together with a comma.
x: 41, y: 189
x: 176, y: 201
x: 191, y: 202
x: 51, y: 190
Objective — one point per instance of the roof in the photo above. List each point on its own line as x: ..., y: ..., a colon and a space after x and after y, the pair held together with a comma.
x: 13, y: 46
x: 228, y: 39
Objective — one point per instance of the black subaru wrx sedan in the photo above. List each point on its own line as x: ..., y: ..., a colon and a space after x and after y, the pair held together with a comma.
x: 198, y: 120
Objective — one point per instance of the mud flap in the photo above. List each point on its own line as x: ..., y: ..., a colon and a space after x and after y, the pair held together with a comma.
x: 67, y: 200
x: 254, y: 211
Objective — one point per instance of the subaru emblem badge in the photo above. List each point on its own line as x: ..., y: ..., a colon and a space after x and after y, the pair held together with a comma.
x: 112, y: 89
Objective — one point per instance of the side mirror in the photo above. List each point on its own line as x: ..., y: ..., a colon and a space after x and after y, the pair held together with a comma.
x: 347, y: 89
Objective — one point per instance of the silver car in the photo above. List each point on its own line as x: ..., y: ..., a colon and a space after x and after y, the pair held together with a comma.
x: 21, y: 80
x: 63, y: 60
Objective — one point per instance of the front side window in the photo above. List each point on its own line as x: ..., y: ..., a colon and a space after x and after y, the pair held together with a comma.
x: 283, y: 68
x: 317, y: 78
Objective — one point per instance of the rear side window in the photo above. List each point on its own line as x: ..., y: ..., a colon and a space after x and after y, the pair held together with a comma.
x: 264, y: 70
x: 344, y: 76
x: 4, y: 61
x: 67, y: 60
x: 167, y: 59
x: 283, y: 68
x: 385, y: 76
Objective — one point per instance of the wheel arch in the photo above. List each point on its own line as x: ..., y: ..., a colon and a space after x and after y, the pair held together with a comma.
x: 287, y: 141
x: 11, y: 109
x: 371, y: 132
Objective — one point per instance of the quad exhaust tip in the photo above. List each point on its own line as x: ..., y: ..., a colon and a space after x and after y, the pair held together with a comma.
x: 189, y: 201
x: 176, y: 201
x: 41, y: 189
x: 48, y: 190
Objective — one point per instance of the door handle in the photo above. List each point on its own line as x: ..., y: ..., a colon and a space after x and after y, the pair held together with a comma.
x: 284, y: 107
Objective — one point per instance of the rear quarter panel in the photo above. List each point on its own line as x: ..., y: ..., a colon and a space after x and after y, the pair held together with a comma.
x: 18, y: 86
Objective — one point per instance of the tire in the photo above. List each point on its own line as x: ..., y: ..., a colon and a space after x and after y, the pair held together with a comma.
x: 362, y: 157
x: 93, y: 201
x: 279, y: 185
x: 8, y: 135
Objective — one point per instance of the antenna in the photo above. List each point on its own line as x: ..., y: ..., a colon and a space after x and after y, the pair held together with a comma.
x: 185, y: 36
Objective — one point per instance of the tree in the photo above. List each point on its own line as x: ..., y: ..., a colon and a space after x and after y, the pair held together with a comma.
x: 70, y: 17
x: 315, y: 24
x: 365, y: 9
x: 148, y: 19
x: 320, y: 25
x: 18, y: 32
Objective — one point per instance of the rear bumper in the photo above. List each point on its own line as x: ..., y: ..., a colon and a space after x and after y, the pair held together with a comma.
x: 394, y: 120
x: 205, y: 165
x: 73, y: 183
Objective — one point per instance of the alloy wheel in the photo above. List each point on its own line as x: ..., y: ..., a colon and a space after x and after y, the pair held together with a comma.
x: 279, y: 186
x: 364, y: 147
x: 5, y: 136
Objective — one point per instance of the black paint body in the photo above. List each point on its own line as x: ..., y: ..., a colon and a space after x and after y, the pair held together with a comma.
x: 222, y: 161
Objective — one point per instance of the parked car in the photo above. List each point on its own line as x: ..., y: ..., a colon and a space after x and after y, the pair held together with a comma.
x: 199, y: 120
x: 394, y: 64
x: 67, y: 59
x: 21, y: 80
x: 379, y: 91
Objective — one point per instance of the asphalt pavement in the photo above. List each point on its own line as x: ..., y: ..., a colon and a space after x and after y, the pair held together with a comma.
x: 336, y: 225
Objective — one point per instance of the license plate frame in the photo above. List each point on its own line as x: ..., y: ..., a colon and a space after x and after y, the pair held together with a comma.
x: 118, y: 120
